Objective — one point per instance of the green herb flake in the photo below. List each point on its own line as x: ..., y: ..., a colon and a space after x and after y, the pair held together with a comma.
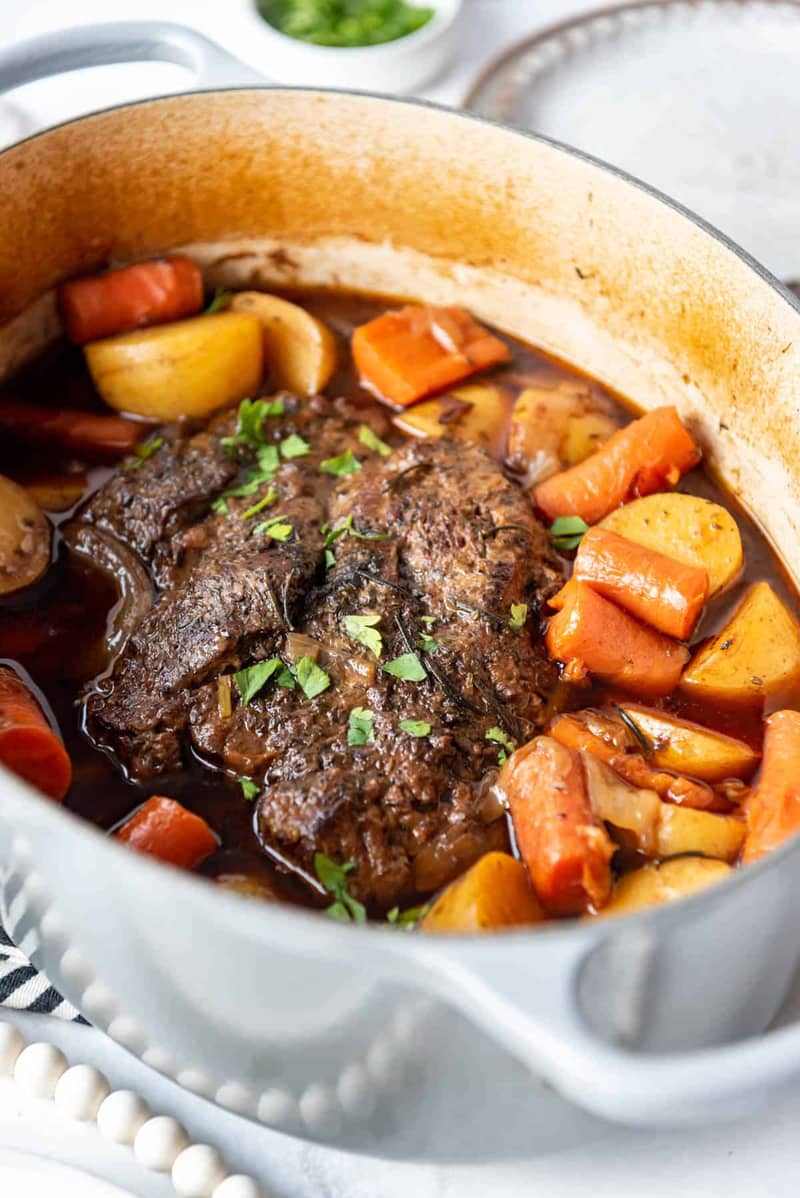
x: 219, y: 302
x: 268, y: 460
x: 145, y: 450
x: 418, y: 728
x: 363, y: 630
x: 407, y: 667
x: 345, y: 22
x: 334, y: 878
x: 250, y: 789
x: 277, y: 528
x: 345, y: 463
x: 427, y: 643
x: 371, y: 440
x: 252, y: 679
x: 407, y: 920
x: 249, y: 425
x: 263, y: 502
x: 347, y: 528
x: 294, y: 446
x: 310, y: 678
x: 428, y: 621
x: 519, y: 614
x: 501, y: 738
x: 360, y: 730
x: 286, y: 679
x: 330, y: 559
x: 566, y: 532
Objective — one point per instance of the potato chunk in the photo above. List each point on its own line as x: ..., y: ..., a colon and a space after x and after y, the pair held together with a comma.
x: 653, y: 885
x: 482, y: 422
x: 171, y: 371
x: 689, y: 748
x: 299, y: 350
x: 691, y: 530
x: 495, y: 892
x: 757, y: 653
x: 682, y: 830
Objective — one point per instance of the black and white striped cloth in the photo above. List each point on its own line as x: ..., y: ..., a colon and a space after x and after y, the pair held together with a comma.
x: 24, y: 988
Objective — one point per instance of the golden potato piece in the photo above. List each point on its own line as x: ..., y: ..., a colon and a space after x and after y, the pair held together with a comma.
x: 653, y: 885
x: 188, y: 368
x: 689, y: 748
x: 756, y: 654
x: 24, y: 538
x: 495, y: 892
x: 299, y: 350
x: 684, y: 830
x: 482, y: 423
x: 694, y: 531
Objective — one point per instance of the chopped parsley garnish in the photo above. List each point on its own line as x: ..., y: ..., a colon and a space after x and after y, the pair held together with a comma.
x: 268, y: 463
x: 345, y: 463
x: 294, y: 446
x: 363, y: 630
x: 249, y: 788
x: 347, y: 528
x: 427, y: 643
x: 310, y: 678
x: 277, y: 528
x: 360, y: 730
x: 501, y: 738
x: 252, y: 414
x: 418, y: 728
x: 371, y: 440
x: 345, y: 22
x: 330, y: 559
x: 519, y: 614
x: 567, y: 532
x: 408, y: 919
x: 263, y: 502
x: 334, y: 878
x: 407, y: 667
x: 428, y: 621
x: 252, y: 679
x: 286, y: 679
x: 268, y: 460
x: 219, y: 302
x: 145, y: 450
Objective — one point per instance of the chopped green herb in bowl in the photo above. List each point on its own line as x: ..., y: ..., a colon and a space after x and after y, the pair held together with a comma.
x: 344, y: 23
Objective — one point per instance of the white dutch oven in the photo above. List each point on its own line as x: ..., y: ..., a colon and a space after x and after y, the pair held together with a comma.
x: 653, y: 1018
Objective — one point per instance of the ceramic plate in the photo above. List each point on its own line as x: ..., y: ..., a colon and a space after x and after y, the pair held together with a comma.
x: 697, y: 97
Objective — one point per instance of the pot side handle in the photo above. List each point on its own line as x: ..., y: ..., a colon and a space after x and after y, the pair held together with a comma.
x: 123, y: 41
x: 553, y: 1038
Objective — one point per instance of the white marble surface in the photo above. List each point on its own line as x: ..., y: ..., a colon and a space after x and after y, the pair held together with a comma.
x: 567, y: 1153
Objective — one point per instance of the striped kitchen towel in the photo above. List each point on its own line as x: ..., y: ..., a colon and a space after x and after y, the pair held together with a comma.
x: 23, y: 987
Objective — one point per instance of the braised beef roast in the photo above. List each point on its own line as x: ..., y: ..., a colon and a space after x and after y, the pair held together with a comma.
x: 434, y: 539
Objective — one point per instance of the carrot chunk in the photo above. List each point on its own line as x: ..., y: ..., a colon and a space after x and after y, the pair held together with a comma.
x: 88, y: 434
x: 164, y: 829
x: 566, y: 848
x: 605, y: 740
x: 590, y: 635
x: 122, y: 300
x: 773, y: 810
x: 662, y: 592
x: 407, y: 354
x: 643, y: 457
x: 28, y: 745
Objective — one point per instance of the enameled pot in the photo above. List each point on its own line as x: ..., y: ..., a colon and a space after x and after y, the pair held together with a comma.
x: 283, y: 1015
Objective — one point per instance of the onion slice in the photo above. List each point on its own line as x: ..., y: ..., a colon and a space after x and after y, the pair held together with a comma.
x: 132, y: 581
x: 632, y: 811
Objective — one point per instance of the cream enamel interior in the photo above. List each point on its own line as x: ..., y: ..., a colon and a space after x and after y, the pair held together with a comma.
x: 273, y: 187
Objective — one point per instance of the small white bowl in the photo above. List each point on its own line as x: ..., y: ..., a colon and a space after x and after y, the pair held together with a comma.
x: 398, y: 66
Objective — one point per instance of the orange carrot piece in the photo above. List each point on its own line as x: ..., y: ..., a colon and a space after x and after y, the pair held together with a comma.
x: 89, y: 434
x: 409, y: 353
x: 122, y: 300
x: 773, y: 809
x: 566, y: 848
x: 590, y: 635
x: 569, y: 730
x: 28, y: 745
x: 643, y: 457
x: 164, y: 829
x: 662, y: 592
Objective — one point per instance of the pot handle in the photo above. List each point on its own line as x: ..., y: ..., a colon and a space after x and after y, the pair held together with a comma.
x: 553, y: 1038
x: 123, y: 41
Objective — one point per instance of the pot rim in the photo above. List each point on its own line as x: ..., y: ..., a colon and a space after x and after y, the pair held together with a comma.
x: 328, y: 933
